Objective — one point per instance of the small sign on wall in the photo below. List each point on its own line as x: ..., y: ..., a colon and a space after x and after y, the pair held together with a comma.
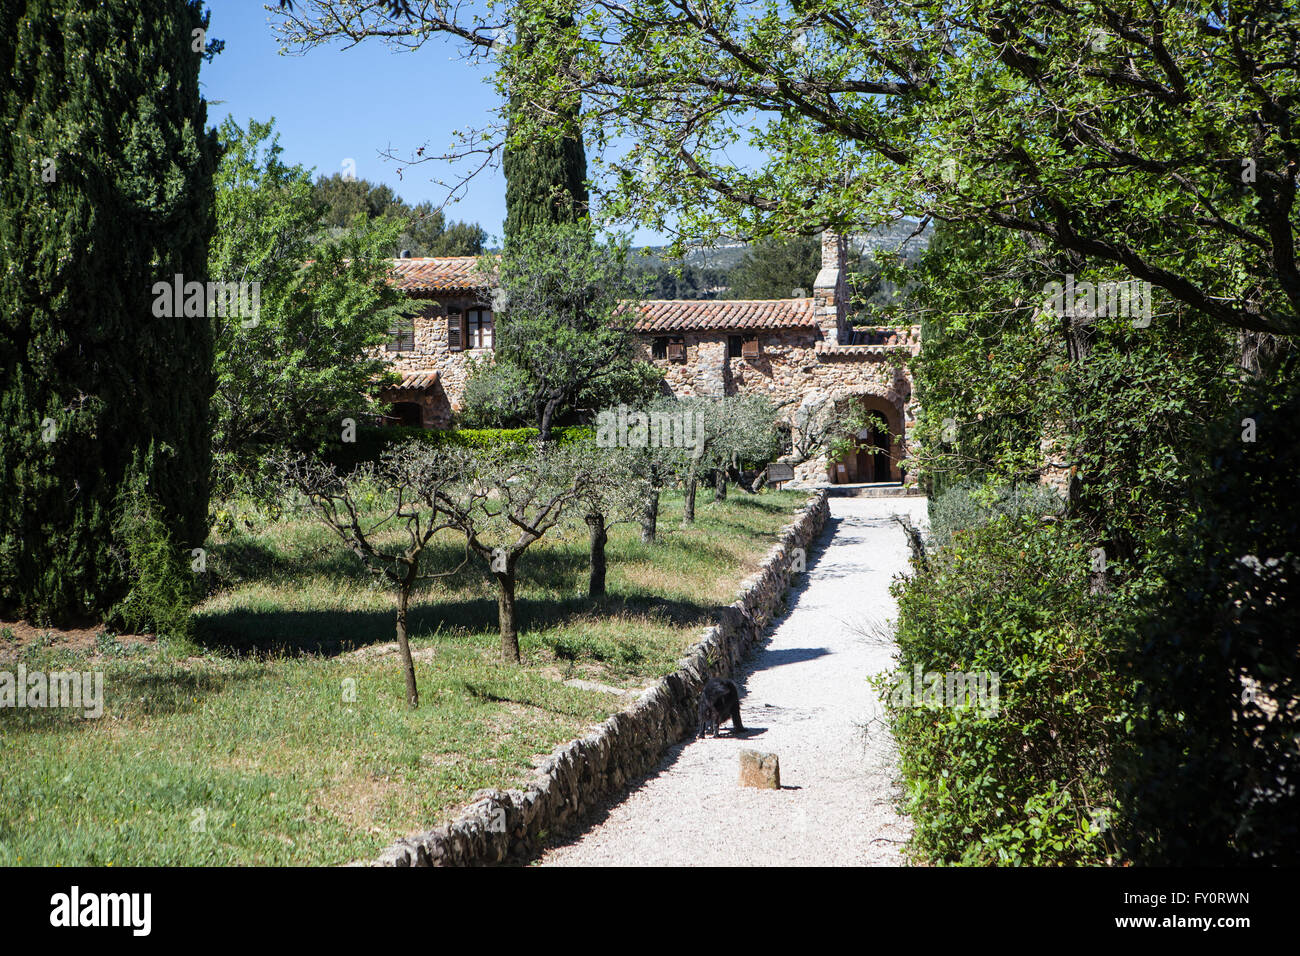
x: 779, y: 471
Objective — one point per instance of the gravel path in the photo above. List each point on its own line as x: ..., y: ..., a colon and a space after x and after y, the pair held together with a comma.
x: 804, y: 698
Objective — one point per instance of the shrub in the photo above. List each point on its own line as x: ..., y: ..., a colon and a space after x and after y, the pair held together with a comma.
x: 162, y: 584
x: 1213, y: 777
x: 1025, y: 781
x: 967, y: 505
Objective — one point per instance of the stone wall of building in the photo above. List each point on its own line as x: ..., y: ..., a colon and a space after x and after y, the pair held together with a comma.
x: 432, y: 353
x: 796, y: 366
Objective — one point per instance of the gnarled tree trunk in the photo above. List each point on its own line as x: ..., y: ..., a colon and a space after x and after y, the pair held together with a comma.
x: 650, y: 517
x: 688, y: 513
x: 599, y: 535
x: 403, y: 600
x: 506, y: 615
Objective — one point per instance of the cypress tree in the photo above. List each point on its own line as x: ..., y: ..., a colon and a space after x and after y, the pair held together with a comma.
x: 106, y: 171
x: 546, y: 178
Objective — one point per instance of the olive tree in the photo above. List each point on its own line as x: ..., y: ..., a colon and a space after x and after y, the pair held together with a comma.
x: 620, y: 497
x: 732, y: 430
x: 504, y: 504
x: 393, y: 542
x: 658, y: 443
x: 823, y: 426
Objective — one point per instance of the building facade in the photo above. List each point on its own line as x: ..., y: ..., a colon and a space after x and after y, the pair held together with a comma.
x: 799, y: 352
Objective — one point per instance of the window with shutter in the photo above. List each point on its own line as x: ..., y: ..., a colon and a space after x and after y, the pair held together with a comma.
x: 454, y: 337
x: 401, y: 334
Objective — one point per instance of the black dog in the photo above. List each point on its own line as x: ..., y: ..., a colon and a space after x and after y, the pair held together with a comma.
x: 719, y: 701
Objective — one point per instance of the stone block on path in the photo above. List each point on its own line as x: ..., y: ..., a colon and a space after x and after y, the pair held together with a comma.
x: 758, y: 769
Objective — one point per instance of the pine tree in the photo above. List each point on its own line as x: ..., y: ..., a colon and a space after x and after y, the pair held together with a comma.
x: 105, y: 190
x: 774, y: 267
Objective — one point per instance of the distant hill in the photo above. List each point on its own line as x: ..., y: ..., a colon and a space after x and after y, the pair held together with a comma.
x: 891, y: 237
x: 895, y: 237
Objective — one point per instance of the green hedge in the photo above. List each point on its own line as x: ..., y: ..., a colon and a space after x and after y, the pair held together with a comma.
x: 373, y: 441
x: 1025, y: 781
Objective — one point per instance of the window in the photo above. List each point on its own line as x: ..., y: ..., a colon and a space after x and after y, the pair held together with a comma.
x: 478, y: 329
x: 401, y: 334
x: 668, y: 347
x: 455, y: 330
x: 741, y: 346
x: 734, y: 345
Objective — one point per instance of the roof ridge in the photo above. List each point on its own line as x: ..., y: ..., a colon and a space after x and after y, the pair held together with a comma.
x: 806, y: 298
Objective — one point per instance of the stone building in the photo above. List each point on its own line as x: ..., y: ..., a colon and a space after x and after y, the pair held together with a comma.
x: 798, y: 351
x: 433, y: 348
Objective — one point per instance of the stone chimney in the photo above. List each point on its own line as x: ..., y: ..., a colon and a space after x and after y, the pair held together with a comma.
x: 830, y: 290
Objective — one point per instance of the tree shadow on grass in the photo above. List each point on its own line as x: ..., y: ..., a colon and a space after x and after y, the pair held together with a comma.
x: 497, y: 695
x: 246, y: 561
x: 328, y: 633
x: 153, y: 692
x: 157, y: 693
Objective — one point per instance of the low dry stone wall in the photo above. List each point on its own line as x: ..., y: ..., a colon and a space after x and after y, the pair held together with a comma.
x: 505, y: 825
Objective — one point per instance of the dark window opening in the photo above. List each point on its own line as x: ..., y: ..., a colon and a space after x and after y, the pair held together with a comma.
x: 408, y: 414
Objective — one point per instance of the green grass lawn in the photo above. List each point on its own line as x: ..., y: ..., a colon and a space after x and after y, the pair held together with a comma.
x: 244, y: 750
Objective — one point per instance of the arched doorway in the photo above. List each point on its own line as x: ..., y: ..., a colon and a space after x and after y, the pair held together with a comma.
x: 872, y: 450
x: 877, y: 445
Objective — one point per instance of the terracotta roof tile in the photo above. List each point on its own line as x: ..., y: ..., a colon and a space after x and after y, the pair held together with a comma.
x: 460, y: 274
x: 414, y: 382
x: 826, y: 350
x: 442, y: 274
x: 678, y: 315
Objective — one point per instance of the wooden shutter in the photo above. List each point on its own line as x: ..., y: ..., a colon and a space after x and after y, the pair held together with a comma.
x: 676, y: 352
x: 401, y: 335
x: 750, y: 349
x: 455, y: 331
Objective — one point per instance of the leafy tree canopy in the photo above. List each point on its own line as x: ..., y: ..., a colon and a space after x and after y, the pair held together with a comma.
x: 1125, y: 135
x: 288, y: 376
x: 425, y: 230
x: 563, y: 310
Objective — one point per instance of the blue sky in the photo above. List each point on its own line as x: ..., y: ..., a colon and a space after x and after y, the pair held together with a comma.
x: 332, y: 104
